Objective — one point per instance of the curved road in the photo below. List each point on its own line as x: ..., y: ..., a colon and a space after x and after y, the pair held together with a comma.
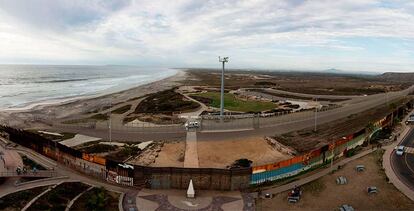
x: 403, y: 166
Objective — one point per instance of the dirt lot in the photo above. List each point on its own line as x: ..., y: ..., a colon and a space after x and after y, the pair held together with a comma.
x: 325, y: 194
x: 333, y: 130
x: 171, y: 155
x: 219, y: 154
x: 301, y: 82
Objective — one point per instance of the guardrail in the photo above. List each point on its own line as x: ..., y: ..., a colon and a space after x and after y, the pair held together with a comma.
x: 39, y: 173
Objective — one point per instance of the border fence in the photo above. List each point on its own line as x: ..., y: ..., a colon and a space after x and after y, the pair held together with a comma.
x: 324, y: 154
x: 203, y: 178
x: 131, y: 175
x: 208, y: 122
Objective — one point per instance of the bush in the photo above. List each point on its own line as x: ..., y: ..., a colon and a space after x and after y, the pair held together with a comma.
x: 122, y: 109
x: 31, y: 164
x: 241, y: 163
x: 124, y: 153
x: 98, y: 199
x: 99, y: 148
x: 165, y: 102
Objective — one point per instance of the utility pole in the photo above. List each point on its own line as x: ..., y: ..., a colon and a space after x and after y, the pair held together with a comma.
x: 316, y: 113
x: 110, y: 119
x: 223, y: 61
x: 387, y: 97
x: 333, y: 155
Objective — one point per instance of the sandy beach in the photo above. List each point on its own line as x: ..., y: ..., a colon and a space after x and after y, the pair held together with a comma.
x: 44, y: 114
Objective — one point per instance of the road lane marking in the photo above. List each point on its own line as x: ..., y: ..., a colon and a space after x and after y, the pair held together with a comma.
x: 409, y: 150
x: 406, y: 163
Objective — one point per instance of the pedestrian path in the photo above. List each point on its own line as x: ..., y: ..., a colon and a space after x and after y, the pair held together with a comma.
x: 191, y: 155
x: 386, y: 163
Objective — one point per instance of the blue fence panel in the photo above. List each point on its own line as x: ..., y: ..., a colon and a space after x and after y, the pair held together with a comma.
x: 277, y: 173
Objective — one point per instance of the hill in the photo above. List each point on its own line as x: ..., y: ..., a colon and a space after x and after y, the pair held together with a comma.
x: 400, y: 77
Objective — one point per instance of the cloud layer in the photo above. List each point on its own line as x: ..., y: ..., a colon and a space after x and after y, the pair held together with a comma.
x: 364, y: 35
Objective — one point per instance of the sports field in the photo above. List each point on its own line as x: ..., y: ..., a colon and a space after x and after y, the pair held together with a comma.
x: 233, y: 103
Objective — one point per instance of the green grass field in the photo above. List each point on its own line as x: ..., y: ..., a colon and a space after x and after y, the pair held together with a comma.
x: 231, y: 102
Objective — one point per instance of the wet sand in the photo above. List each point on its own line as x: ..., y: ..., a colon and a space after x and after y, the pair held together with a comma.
x: 43, y: 115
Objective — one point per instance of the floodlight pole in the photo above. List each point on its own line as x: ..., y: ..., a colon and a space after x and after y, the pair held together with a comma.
x: 316, y: 113
x: 110, y: 119
x: 223, y: 61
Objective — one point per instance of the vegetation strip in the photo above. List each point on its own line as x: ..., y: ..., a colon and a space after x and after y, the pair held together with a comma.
x: 21, y: 198
x: 76, y: 198
x: 97, y: 199
x: 59, y: 197
x: 37, y: 197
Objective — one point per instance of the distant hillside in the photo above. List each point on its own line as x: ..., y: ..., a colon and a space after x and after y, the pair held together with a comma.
x: 400, y: 77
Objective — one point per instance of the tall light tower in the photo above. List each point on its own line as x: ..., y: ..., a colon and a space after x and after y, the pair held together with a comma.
x: 223, y: 61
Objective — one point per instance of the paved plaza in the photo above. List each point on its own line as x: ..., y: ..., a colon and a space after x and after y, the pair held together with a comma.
x: 176, y: 200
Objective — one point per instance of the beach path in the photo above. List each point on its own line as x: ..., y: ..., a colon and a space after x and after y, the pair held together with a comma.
x: 191, y: 154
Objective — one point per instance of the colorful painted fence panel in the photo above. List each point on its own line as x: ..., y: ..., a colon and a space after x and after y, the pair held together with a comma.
x: 298, y: 164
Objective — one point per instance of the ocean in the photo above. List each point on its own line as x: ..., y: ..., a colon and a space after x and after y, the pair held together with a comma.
x: 24, y: 85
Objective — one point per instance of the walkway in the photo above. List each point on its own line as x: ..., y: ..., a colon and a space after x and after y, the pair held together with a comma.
x: 388, y: 166
x: 317, y: 175
x: 191, y: 155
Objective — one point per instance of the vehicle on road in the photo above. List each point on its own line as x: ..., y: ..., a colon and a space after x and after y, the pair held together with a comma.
x: 410, y: 120
x: 192, y: 124
x: 400, y: 150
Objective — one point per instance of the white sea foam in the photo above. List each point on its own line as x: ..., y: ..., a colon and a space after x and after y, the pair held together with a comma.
x: 25, y: 86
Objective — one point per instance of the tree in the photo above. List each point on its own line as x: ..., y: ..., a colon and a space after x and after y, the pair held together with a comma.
x: 241, y: 163
x: 369, y: 129
x: 98, y: 200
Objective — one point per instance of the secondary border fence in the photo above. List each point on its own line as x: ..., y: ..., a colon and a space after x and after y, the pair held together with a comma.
x: 253, y: 121
x: 208, y: 122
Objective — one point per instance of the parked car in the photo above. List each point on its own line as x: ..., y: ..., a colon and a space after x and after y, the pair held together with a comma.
x: 346, y: 207
x: 372, y: 190
x: 268, y: 195
x: 400, y: 150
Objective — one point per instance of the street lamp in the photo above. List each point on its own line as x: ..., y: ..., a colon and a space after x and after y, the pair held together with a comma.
x: 222, y: 60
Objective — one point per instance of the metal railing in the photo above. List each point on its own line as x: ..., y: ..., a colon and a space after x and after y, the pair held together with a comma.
x: 38, y: 173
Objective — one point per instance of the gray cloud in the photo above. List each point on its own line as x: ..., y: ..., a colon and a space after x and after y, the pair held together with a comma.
x: 60, y: 13
x: 172, y: 31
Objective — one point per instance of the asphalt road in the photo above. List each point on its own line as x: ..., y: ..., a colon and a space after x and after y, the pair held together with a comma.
x: 280, y: 125
x: 403, y: 166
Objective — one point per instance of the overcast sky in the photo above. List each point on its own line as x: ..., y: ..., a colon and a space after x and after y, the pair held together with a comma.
x: 366, y: 35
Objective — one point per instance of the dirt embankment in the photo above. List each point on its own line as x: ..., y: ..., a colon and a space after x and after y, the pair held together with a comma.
x: 307, y: 139
x: 219, y: 154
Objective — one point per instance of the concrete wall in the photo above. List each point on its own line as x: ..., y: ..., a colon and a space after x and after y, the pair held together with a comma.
x: 205, y: 179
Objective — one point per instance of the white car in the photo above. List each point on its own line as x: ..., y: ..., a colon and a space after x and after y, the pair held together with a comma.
x: 400, y: 150
x: 192, y: 124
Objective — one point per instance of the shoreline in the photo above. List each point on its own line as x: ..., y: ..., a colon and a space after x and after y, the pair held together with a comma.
x: 41, y: 113
x: 63, y: 100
